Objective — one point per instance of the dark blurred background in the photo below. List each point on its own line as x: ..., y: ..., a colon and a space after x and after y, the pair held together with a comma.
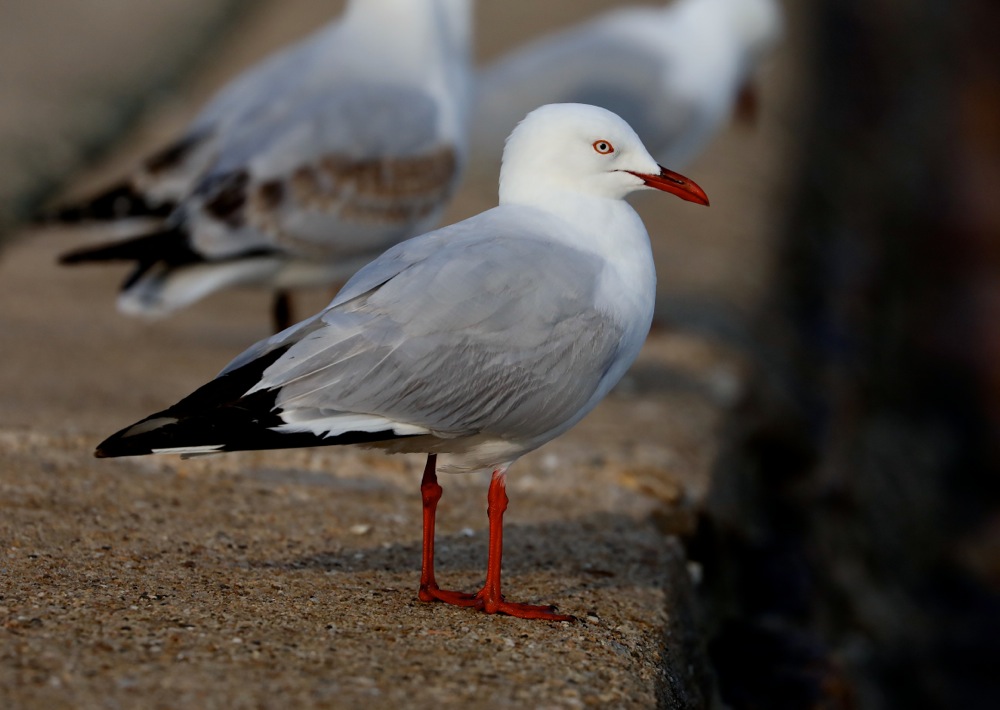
x: 858, y: 520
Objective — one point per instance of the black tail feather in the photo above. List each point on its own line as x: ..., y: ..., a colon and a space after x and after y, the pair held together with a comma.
x: 155, y: 244
x: 168, y: 246
x: 119, y: 202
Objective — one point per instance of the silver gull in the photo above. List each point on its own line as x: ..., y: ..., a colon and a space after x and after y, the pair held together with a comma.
x: 477, y: 342
x: 306, y: 166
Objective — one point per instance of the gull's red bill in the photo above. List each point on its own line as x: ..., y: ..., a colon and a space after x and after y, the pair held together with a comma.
x: 675, y: 184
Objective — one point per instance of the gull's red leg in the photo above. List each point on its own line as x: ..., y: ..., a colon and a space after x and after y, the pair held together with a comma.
x: 489, y: 598
x: 430, y: 492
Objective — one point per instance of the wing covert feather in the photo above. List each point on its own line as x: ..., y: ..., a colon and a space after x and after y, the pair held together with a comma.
x: 455, y: 340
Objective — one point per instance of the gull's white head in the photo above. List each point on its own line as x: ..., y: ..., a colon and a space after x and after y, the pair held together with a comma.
x: 576, y: 148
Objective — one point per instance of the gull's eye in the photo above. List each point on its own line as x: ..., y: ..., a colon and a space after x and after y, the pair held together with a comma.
x: 603, y: 147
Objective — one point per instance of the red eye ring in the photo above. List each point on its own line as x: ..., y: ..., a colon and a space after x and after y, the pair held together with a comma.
x: 603, y: 147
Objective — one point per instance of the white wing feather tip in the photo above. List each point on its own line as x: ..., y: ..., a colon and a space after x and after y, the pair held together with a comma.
x: 149, y: 425
x: 191, y: 450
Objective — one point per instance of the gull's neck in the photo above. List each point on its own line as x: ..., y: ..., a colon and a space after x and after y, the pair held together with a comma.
x: 413, y: 33
x: 590, y: 215
x: 423, y: 43
x: 608, y: 227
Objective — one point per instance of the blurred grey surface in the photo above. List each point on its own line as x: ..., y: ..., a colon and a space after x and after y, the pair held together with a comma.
x: 74, y: 72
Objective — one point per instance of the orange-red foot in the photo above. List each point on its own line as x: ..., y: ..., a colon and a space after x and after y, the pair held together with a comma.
x: 480, y: 602
x: 525, y: 611
x: 429, y: 593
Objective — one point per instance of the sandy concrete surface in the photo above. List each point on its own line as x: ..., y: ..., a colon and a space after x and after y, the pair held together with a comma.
x: 288, y: 579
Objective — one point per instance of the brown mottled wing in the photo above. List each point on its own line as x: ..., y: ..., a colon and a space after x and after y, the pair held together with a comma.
x: 344, y: 177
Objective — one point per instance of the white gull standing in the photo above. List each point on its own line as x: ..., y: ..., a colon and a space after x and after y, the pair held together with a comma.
x: 479, y: 342
x: 306, y: 166
x: 673, y: 73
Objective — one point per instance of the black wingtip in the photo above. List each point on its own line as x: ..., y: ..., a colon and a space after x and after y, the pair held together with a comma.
x: 161, y: 244
x: 167, y: 246
x: 112, y: 447
x: 77, y: 256
x: 206, y: 417
x: 119, y: 202
x: 220, y: 416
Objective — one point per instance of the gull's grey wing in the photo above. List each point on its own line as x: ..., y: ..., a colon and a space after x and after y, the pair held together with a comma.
x: 370, y: 277
x: 475, y: 337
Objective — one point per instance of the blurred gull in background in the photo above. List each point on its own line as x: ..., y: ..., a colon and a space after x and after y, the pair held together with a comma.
x: 304, y: 167
x: 675, y: 73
